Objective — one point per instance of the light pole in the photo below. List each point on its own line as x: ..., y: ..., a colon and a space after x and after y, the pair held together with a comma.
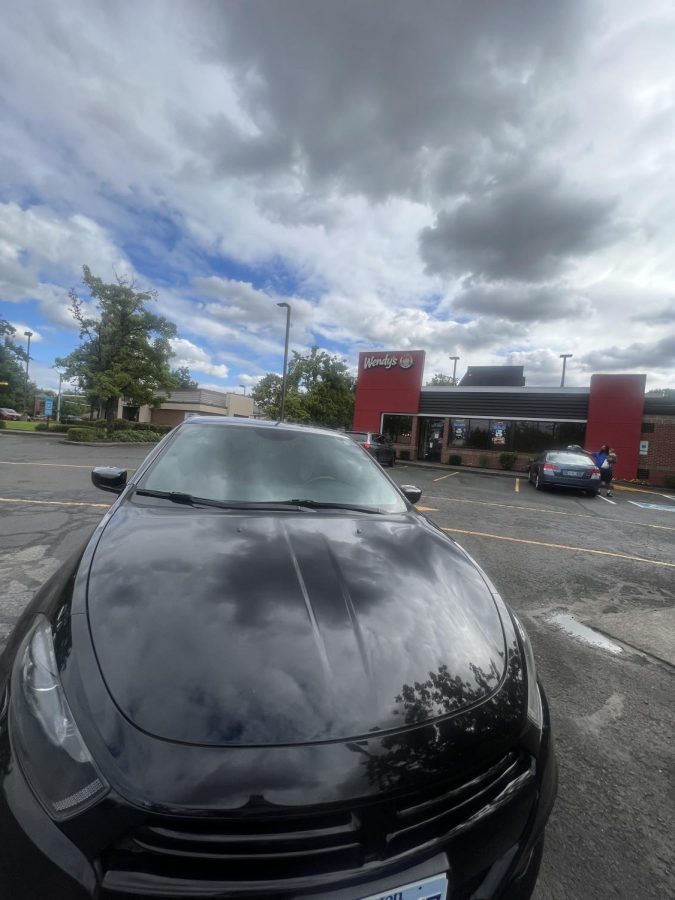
x: 564, y: 357
x: 244, y: 387
x: 29, y: 335
x: 287, y: 307
x: 58, y: 401
x: 454, y: 368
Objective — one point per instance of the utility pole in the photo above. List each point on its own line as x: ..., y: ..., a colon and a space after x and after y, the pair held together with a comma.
x: 244, y: 387
x: 58, y: 402
x: 564, y: 357
x: 29, y: 335
x: 454, y: 369
x: 287, y: 307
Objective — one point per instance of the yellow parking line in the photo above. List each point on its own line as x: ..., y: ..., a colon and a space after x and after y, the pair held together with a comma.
x: 55, y: 502
x: 426, y: 509
x: 503, y: 537
x: 449, y: 475
x: 516, y: 487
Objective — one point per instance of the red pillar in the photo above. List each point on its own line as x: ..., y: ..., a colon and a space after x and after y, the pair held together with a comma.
x: 615, y: 409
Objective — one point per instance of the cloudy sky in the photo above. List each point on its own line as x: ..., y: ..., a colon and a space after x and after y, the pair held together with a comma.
x: 493, y: 180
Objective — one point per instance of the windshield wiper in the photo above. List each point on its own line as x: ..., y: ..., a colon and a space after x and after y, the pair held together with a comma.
x: 190, y: 500
x: 321, y: 504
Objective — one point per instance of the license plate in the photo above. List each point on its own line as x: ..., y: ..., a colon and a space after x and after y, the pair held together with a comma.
x: 572, y: 474
x: 428, y: 889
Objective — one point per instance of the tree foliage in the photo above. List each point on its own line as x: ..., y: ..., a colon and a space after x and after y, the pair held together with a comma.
x: 438, y: 379
x: 125, y: 349
x: 183, y: 379
x: 13, y: 371
x: 320, y: 390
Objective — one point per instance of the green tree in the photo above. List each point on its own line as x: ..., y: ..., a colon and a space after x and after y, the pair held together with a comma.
x: 320, y: 390
x: 183, y: 379
x: 13, y: 371
x: 438, y: 379
x: 125, y: 349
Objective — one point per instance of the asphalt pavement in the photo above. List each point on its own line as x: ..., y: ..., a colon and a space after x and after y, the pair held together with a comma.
x: 563, y: 561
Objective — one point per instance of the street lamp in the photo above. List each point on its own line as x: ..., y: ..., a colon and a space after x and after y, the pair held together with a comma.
x: 287, y: 307
x: 58, y: 401
x: 29, y: 335
x: 564, y: 357
x: 454, y: 368
x: 244, y: 387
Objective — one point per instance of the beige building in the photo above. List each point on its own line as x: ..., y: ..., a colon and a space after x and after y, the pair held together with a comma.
x: 183, y: 404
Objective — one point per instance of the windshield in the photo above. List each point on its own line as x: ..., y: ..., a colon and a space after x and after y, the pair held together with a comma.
x: 240, y: 464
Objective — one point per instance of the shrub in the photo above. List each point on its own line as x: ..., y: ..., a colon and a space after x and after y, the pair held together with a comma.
x: 82, y: 434
x: 135, y: 437
x: 483, y: 461
x: 3, y: 424
x: 404, y: 454
x: 454, y: 459
x: 122, y: 425
x: 669, y: 481
x: 42, y: 426
x: 507, y: 460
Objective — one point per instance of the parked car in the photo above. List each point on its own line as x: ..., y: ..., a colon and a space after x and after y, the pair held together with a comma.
x: 9, y: 415
x: 267, y: 674
x: 565, y: 468
x: 72, y: 420
x: 378, y: 445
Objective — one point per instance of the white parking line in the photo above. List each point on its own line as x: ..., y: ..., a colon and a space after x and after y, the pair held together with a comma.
x: 449, y: 475
x: 607, y: 500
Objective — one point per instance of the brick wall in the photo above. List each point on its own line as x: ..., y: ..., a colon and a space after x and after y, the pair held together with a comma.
x: 660, y: 460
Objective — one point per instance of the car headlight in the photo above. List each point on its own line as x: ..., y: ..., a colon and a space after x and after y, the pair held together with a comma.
x: 49, y: 746
x: 534, y: 708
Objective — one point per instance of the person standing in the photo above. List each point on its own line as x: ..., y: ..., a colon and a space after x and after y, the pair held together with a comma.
x: 607, y: 471
x: 600, y: 455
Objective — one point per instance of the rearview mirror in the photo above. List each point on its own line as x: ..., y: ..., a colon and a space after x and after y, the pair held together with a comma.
x: 411, y: 493
x: 109, y: 478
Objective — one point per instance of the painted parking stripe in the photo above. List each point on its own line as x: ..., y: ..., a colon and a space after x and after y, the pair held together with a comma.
x: 449, y: 475
x: 661, y: 507
x: 516, y: 486
x: 551, y: 512
x: 6, y: 462
x: 607, y: 500
x: 55, y: 502
x: 503, y: 537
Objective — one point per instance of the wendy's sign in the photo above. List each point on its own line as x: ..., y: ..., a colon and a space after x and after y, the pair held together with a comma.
x: 388, y: 361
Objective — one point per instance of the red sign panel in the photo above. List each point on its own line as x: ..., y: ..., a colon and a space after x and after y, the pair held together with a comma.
x: 615, y: 407
x: 387, y: 381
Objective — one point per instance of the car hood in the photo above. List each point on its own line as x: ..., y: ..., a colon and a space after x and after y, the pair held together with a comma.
x: 220, y: 628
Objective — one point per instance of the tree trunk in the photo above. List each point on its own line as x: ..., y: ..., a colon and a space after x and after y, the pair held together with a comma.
x: 110, y: 409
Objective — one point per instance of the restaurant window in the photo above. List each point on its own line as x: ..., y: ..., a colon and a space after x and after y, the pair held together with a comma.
x: 569, y: 433
x: 500, y: 434
x: 479, y: 436
x: 397, y: 428
x: 458, y: 434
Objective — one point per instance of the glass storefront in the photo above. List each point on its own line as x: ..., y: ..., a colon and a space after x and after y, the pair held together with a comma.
x: 430, y: 439
x: 398, y: 428
x: 497, y: 434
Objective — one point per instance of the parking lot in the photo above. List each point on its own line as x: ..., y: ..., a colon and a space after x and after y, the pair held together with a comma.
x: 561, y: 560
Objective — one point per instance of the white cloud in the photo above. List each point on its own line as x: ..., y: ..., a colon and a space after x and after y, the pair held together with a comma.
x: 188, y: 354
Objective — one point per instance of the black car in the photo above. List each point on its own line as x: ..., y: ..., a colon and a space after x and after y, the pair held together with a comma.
x: 378, y: 445
x: 565, y: 468
x: 267, y: 675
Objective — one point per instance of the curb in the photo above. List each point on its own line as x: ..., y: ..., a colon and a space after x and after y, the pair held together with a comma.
x: 475, y: 470
x: 110, y: 443
x: 41, y: 434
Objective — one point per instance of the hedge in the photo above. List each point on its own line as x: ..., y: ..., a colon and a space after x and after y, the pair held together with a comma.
x: 3, y: 424
x: 454, y: 459
x: 507, y: 460
x: 136, y: 437
x: 42, y: 426
x: 82, y: 434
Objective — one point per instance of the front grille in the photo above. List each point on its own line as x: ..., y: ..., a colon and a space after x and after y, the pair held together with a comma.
x: 264, y: 843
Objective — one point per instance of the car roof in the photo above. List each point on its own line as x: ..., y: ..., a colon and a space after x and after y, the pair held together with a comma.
x: 237, y: 422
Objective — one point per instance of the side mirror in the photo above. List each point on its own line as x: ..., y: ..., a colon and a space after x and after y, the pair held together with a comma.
x: 411, y: 493
x: 109, y: 478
